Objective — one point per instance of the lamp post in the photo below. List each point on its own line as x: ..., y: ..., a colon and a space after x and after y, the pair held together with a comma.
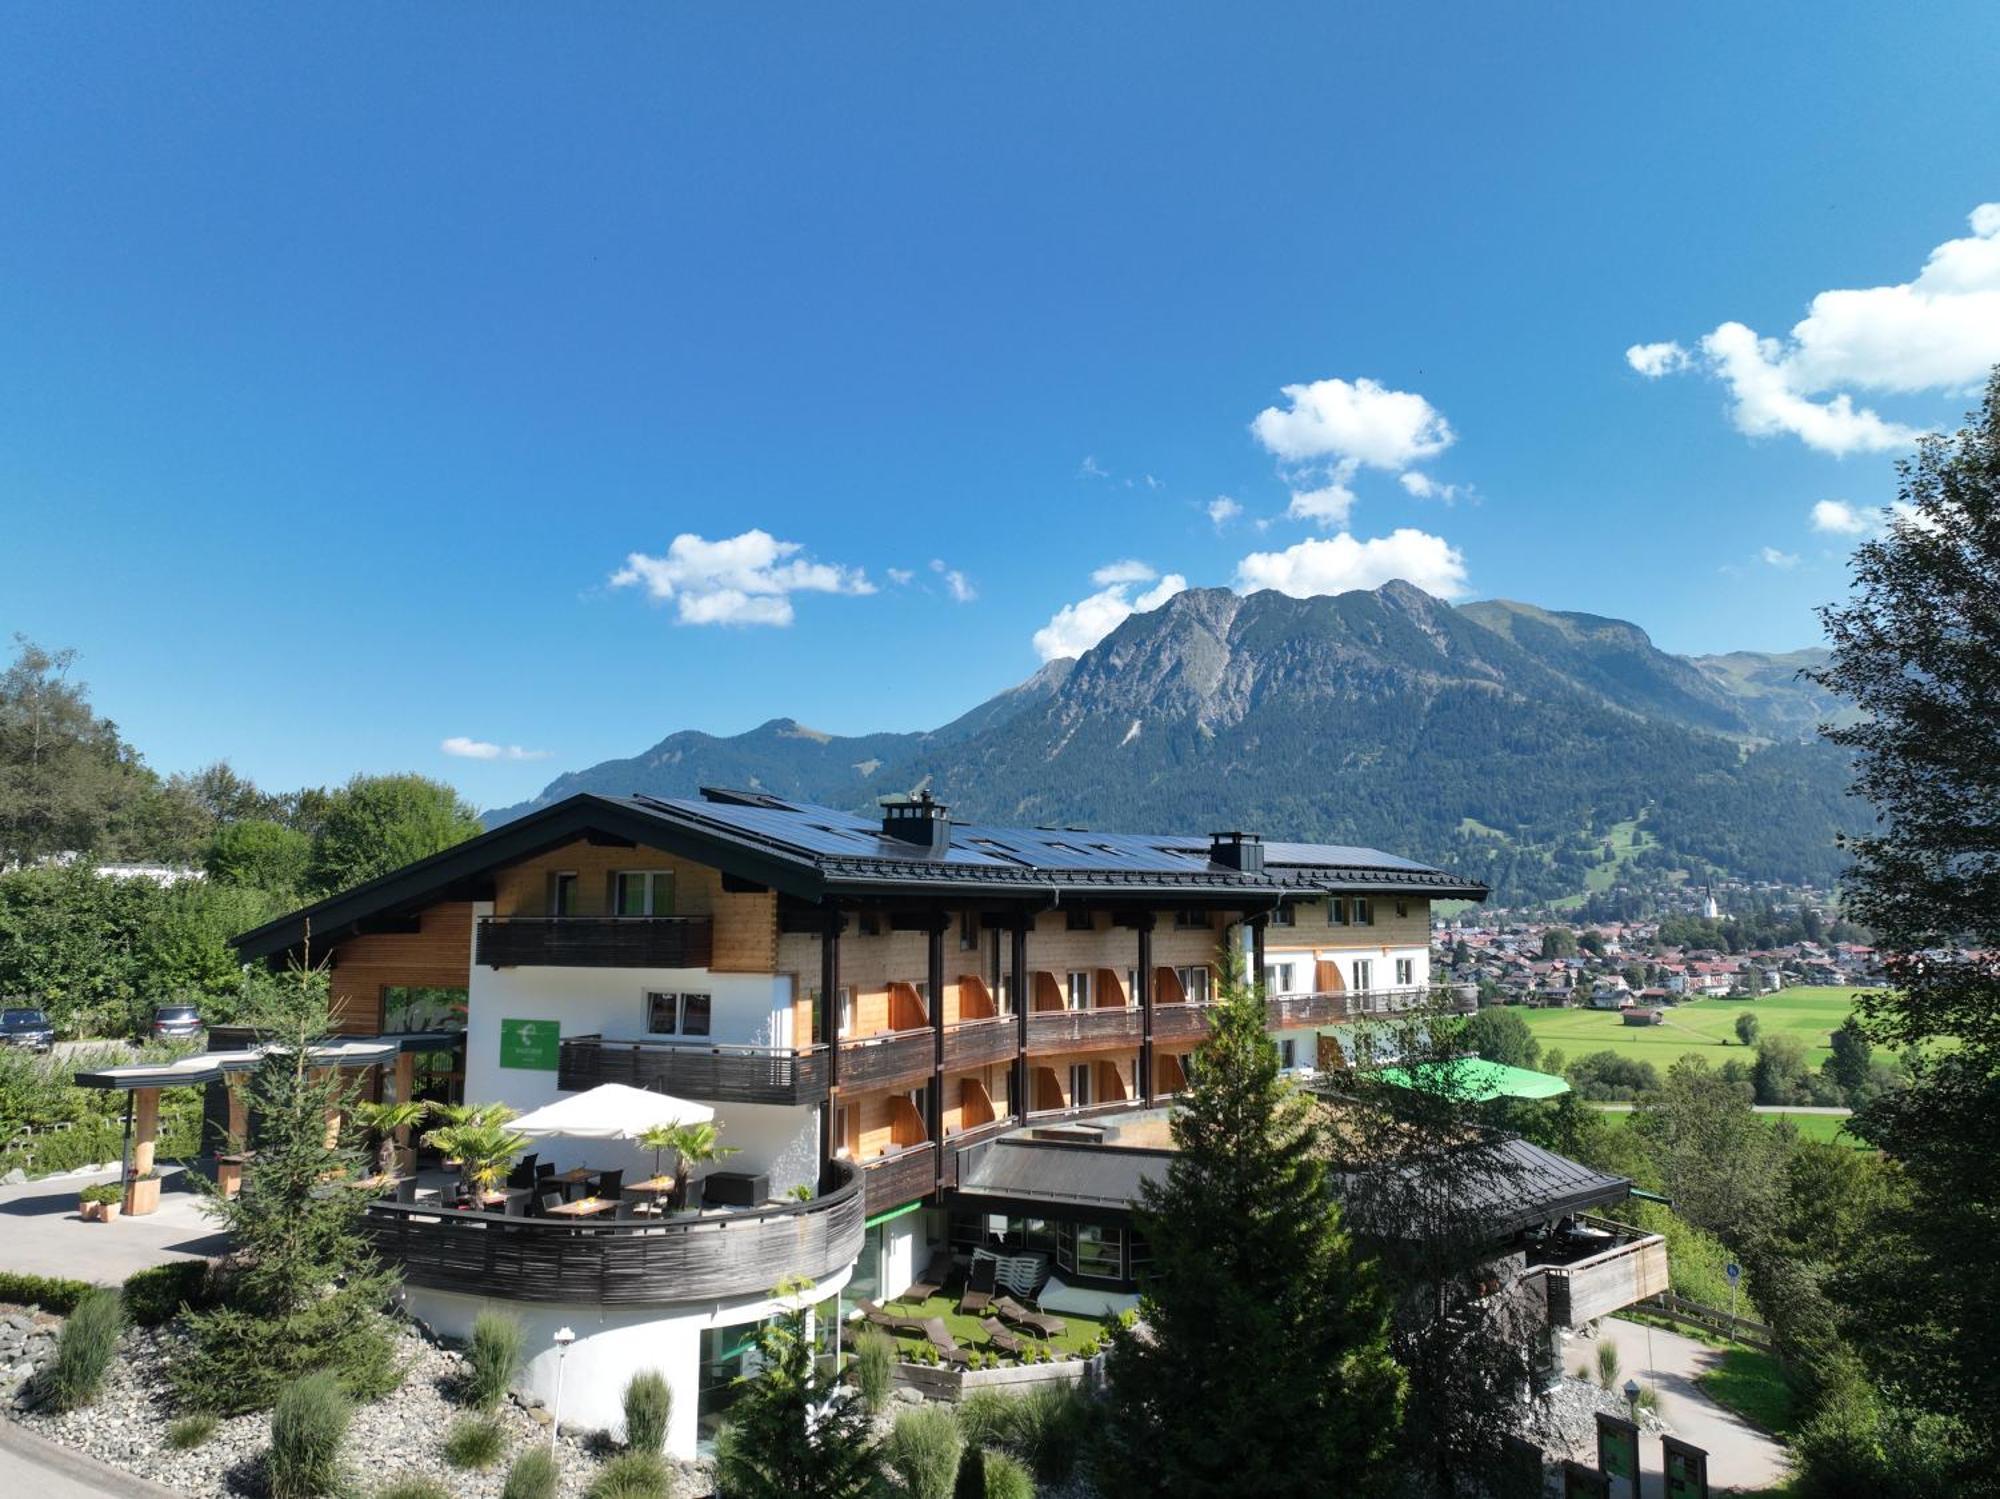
x: 564, y: 1337
x: 1631, y: 1394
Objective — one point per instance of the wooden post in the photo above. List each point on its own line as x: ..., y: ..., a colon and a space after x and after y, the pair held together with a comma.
x: 934, y: 964
x: 143, y: 1196
x: 1018, y: 1084
x: 1257, y: 924
x: 829, y: 1035
x: 229, y: 1165
x: 1146, y: 1079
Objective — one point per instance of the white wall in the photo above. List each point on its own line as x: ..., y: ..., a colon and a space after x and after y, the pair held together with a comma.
x: 905, y: 1252
x: 612, y: 1344
x: 748, y: 1011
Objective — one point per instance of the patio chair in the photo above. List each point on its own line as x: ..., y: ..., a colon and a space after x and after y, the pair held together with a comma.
x: 544, y: 1170
x: 523, y: 1174
x: 999, y: 1337
x: 1039, y: 1322
x: 406, y: 1189
x: 550, y: 1200
x: 516, y: 1205
x: 980, y: 1283
x: 627, y: 1206
x: 939, y: 1337
x: 931, y: 1281
x: 610, y: 1183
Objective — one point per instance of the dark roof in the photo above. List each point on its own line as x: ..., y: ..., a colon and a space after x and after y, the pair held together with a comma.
x: 814, y: 852
x: 212, y: 1065
x: 1529, y: 1185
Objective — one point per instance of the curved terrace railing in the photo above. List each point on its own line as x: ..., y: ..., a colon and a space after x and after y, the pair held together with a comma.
x: 716, y: 1074
x: 673, y: 1259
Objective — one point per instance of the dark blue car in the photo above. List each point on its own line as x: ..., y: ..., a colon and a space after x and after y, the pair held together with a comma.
x: 27, y: 1029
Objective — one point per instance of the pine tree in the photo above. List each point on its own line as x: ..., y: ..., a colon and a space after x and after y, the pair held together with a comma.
x: 794, y: 1432
x: 1260, y: 1362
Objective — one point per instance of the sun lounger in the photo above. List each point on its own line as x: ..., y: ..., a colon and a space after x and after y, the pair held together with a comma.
x: 939, y: 1337
x: 888, y: 1320
x: 931, y: 1282
x: 1012, y: 1311
x: 979, y: 1287
x: 998, y: 1335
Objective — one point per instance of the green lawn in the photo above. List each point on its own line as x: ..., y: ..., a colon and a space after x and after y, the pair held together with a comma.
x: 1825, y: 1127
x: 1751, y: 1384
x: 1078, y: 1334
x: 1704, y: 1026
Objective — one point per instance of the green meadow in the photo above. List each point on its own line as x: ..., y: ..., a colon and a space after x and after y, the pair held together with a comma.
x: 1706, y: 1027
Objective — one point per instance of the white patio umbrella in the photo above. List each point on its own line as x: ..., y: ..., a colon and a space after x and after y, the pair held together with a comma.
x: 610, y: 1111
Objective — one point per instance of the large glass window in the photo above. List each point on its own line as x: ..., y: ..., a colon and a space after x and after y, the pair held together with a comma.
x: 562, y: 894
x: 669, y: 1014
x: 1079, y: 990
x: 1090, y: 1249
x: 1194, y: 983
x: 643, y: 892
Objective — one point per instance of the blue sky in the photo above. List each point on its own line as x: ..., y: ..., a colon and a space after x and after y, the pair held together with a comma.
x: 347, y: 365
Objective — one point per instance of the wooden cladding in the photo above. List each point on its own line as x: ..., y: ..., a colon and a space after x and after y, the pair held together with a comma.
x: 595, y: 941
x: 975, y: 1000
x: 979, y: 1043
x: 907, y: 1176
x: 620, y: 1263
x: 880, y: 1060
x: 434, y: 956
x: 1073, y: 1030
x: 975, y: 1104
x: 1587, y: 1289
x: 712, y: 1074
x: 1179, y: 1022
x: 1048, y: 993
x: 907, y: 1010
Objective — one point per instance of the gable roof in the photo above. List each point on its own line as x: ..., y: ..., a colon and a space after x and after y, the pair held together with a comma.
x: 815, y: 853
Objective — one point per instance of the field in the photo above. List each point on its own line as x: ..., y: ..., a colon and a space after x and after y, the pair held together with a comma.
x: 1706, y: 1027
x: 1822, y: 1127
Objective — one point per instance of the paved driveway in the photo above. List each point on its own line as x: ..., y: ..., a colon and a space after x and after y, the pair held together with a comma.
x: 43, y: 1233
x: 1739, y: 1455
x: 32, y: 1468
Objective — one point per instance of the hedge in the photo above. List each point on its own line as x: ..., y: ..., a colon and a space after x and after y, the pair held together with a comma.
x: 151, y: 1296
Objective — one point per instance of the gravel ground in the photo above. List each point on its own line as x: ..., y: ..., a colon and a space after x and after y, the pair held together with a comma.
x: 392, y: 1438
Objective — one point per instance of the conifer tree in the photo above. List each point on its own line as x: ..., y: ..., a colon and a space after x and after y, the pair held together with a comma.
x: 1260, y: 1363
x: 794, y: 1432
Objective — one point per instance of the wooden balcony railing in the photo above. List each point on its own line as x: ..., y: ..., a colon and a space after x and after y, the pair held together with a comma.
x: 1289, y: 1011
x: 673, y: 1259
x: 1632, y: 1268
x: 712, y: 1074
x: 1070, y: 1030
x: 1179, y: 1023
x: 979, y: 1043
x: 892, y: 1180
x: 593, y: 941
x: 874, y: 1061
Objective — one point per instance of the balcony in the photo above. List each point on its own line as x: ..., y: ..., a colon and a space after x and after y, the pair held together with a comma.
x: 1177, y: 1024
x: 674, y: 1259
x: 889, y: 1181
x: 893, y: 1057
x: 713, y: 1074
x: 1083, y: 1030
x: 593, y: 941
x: 1597, y: 1268
x: 1291, y: 1011
x: 979, y: 1043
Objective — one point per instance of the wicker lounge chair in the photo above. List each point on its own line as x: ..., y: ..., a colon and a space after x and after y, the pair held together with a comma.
x: 939, y: 1337
x: 888, y: 1319
x: 931, y: 1282
x: 979, y: 1286
x: 998, y: 1335
x: 1038, y: 1322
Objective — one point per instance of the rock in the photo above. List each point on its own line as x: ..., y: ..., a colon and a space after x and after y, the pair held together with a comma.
x: 14, y: 1178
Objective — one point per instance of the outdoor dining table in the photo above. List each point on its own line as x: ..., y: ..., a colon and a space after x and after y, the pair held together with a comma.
x: 576, y: 1176
x: 652, y: 1186
x: 583, y: 1207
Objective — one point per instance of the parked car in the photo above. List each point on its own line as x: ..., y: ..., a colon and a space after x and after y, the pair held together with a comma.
x: 176, y: 1023
x: 27, y: 1029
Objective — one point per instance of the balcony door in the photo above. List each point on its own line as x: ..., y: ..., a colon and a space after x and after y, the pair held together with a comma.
x: 642, y: 892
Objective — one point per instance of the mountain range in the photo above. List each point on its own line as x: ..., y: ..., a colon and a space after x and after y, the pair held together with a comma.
x: 1551, y: 754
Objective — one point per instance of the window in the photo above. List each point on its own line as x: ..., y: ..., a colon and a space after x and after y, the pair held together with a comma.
x: 562, y: 893
x: 1077, y: 919
x: 1134, y: 993
x: 1004, y: 995
x: 1194, y: 983
x: 1288, y: 1052
x: 1079, y: 990
x: 1190, y: 921
x: 968, y: 932
x: 1284, y: 916
x: 1336, y: 911
x: 1079, y: 1085
x: 1406, y: 972
x: 643, y: 892
x: 1364, y: 911
x: 1364, y: 974
x: 677, y: 1014
x: 1402, y: 907
x: 846, y: 1130
x: 1089, y: 1249
x: 1278, y: 977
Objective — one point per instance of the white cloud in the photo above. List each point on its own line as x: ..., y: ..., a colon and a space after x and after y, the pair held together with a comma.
x: 1424, y: 487
x: 1075, y: 628
x: 1938, y: 332
x: 1129, y: 571
x: 1363, y: 422
x: 1839, y: 518
x: 481, y: 749
x: 1329, y: 505
x: 1090, y: 468
x: 955, y: 582
x: 902, y: 577
x: 1337, y: 564
x: 740, y: 580
x: 1655, y: 360
x: 1784, y: 561
x: 1222, y: 510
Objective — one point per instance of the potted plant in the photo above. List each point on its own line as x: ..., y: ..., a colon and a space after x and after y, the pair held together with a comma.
x: 483, y: 1150
x: 458, y: 1118
x: 387, y: 1121
x: 100, y: 1203
x: 694, y: 1145
x: 142, y: 1194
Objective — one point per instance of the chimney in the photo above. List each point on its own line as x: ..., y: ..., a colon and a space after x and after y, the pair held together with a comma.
x: 1242, y: 852
x: 917, y: 820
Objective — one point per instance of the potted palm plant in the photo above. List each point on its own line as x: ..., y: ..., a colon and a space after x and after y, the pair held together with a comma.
x: 484, y: 1150
x: 386, y: 1121
x: 694, y: 1145
x: 458, y: 1118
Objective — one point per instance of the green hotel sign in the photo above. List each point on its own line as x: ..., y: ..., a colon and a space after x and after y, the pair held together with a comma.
x: 530, y: 1044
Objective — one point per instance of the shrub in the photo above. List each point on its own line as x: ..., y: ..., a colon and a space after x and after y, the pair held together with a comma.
x: 533, y: 1475
x: 412, y: 1486
x: 307, y: 1426
x: 475, y: 1442
x: 84, y: 1352
x: 103, y: 1194
x: 1007, y: 1479
x: 191, y: 1431
x: 923, y: 1450
x: 493, y: 1358
x: 157, y: 1295
x: 1607, y: 1364
x: 874, y: 1367
x: 1053, y: 1425
x: 649, y: 1406
x: 632, y: 1475
x: 986, y: 1418
x: 971, y: 1482
x: 44, y: 1291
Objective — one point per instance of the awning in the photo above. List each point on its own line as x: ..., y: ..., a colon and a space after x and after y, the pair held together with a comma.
x: 1479, y: 1080
x: 611, y: 1111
